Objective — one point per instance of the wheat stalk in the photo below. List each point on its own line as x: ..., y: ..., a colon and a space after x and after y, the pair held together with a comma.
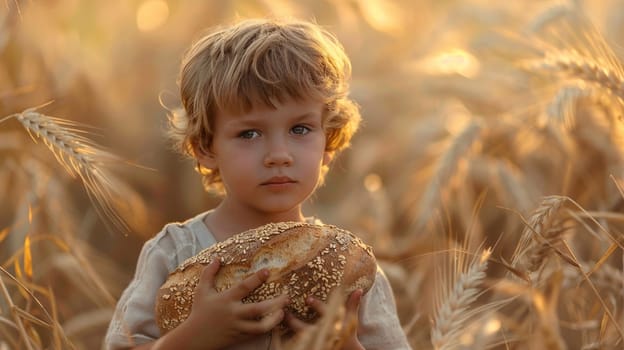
x: 328, y: 333
x: 80, y: 157
x: 20, y: 315
x: 608, y: 278
x: 16, y: 317
x: 545, y: 306
x: 586, y: 277
x: 504, y: 177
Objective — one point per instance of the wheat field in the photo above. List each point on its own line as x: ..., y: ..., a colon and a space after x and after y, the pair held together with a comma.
x: 488, y: 175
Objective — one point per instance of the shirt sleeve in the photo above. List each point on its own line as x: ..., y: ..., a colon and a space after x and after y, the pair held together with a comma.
x: 133, y: 322
x: 379, y: 325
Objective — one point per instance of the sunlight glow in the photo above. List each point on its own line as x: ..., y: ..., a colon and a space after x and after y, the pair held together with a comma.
x: 539, y: 302
x: 453, y: 61
x: 466, y: 339
x: 382, y: 15
x: 28, y: 266
x: 458, y: 117
x: 4, y: 233
x: 372, y: 182
x: 492, y: 326
x: 151, y: 15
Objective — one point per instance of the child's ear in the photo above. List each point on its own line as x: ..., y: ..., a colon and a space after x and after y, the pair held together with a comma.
x: 327, y: 157
x: 205, y: 159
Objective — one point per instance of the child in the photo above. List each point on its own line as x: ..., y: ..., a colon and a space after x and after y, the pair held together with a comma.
x: 265, y: 111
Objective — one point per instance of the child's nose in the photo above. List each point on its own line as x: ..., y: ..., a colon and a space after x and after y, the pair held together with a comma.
x: 278, y: 156
x: 277, y: 159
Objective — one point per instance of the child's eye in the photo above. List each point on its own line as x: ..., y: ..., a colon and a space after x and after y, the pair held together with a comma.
x: 248, y: 134
x: 300, y: 130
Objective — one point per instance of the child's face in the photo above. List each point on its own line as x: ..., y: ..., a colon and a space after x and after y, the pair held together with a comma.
x: 269, y: 159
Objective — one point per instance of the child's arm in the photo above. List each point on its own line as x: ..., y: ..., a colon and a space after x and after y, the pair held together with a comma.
x: 380, y: 327
x: 221, y: 319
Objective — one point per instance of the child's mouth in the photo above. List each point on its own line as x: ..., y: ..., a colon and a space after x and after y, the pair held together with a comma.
x: 278, y: 182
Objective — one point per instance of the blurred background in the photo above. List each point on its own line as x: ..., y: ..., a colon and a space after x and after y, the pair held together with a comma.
x: 484, y: 123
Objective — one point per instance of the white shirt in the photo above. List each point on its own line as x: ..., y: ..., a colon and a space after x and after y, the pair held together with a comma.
x: 134, y: 323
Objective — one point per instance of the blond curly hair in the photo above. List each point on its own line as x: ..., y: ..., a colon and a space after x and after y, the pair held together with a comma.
x: 258, y: 62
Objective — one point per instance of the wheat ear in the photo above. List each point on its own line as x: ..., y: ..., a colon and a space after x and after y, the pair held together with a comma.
x: 537, y: 237
x: 455, y: 299
x: 80, y: 156
x: 575, y: 66
x: 562, y: 109
x: 444, y: 171
x: 552, y: 14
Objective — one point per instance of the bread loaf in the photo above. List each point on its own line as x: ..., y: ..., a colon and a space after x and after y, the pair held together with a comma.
x: 303, y: 260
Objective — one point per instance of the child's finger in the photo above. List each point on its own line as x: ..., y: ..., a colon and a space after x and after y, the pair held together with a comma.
x: 263, y: 325
x: 353, y: 304
x: 294, y: 323
x: 265, y: 307
x: 316, y: 305
x: 249, y: 284
x: 206, y: 280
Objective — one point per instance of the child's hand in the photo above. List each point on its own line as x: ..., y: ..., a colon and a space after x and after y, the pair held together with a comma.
x: 352, y: 307
x: 221, y: 319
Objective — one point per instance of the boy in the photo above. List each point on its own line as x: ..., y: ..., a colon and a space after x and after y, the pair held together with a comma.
x: 265, y: 110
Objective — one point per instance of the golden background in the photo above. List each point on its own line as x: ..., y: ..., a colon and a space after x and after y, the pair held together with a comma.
x: 486, y: 124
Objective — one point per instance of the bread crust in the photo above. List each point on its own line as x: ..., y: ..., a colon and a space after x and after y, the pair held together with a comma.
x: 303, y: 260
